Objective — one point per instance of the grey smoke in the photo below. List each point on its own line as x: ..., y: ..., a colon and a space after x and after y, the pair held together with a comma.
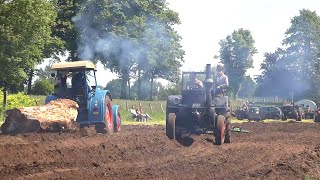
x: 93, y: 43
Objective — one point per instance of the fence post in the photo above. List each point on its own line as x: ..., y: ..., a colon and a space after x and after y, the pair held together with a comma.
x: 150, y: 107
x: 161, y: 108
x: 127, y: 106
x: 140, y: 107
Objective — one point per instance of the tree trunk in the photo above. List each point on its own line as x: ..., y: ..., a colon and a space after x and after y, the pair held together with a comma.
x: 139, y: 84
x: 151, y: 87
x: 30, y: 81
x: 129, y: 88
x: 5, y: 93
x: 124, y: 82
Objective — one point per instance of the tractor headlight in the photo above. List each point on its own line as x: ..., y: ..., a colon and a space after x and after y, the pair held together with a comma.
x: 176, y: 101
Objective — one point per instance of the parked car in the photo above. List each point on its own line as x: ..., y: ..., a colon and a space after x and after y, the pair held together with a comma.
x: 254, y: 114
x: 271, y: 112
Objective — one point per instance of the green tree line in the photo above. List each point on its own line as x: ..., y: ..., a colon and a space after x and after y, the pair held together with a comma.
x: 293, y: 69
x: 134, y: 39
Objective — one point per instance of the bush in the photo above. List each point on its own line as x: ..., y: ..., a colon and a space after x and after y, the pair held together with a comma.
x: 15, y: 101
x: 19, y: 100
x: 42, y: 87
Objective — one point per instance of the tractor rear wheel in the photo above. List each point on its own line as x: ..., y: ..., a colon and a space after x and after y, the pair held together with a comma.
x: 220, y: 130
x: 171, y: 126
x: 107, y: 126
x: 228, y: 128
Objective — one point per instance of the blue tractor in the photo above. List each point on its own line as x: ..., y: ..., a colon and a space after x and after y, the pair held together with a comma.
x: 77, y: 81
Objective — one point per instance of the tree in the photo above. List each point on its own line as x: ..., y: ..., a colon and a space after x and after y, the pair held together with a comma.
x: 247, y: 88
x: 114, y: 87
x: 145, y: 91
x: 294, y: 69
x: 236, y: 52
x: 24, y: 34
x: 303, y: 49
x: 42, y: 87
x: 165, y: 57
x: 170, y: 89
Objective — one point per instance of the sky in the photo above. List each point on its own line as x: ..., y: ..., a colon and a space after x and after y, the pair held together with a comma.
x: 205, y: 22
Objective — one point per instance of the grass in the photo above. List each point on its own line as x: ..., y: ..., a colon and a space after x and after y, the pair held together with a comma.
x: 153, y: 108
x: 158, y: 117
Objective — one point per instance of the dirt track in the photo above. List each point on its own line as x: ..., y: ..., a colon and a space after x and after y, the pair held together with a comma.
x: 270, y: 151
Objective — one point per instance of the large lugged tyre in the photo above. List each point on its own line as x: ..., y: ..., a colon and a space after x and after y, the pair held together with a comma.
x: 171, y: 126
x: 220, y: 130
x: 228, y: 128
x: 107, y: 126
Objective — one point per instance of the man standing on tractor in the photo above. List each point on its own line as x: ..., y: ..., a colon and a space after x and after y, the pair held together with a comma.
x: 194, y: 83
x: 222, y: 81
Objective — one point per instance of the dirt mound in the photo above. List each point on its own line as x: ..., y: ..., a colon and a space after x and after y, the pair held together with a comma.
x: 269, y: 151
x: 55, y: 116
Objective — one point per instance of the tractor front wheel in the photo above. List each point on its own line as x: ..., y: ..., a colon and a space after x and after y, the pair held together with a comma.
x: 107, y: 126
x: 228, y: 128
x: 220, y: 130
x: 171, y: 126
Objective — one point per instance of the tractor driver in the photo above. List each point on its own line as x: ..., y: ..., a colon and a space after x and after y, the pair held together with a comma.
x: 61, y: 84
x: 222, y: 81
x: 193, y: 82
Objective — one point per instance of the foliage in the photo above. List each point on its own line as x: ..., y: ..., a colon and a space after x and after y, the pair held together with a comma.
x: 247, y: 88
x: 145, y: 91
x: 303, y: 42
x: 25, y: 31
x: 236, y: 53
x: 18, y: 100
x: 130, y: 36
x: 170, y: 89
x: 42, y: 87
x: 295, y: 69
x: 114, y: 87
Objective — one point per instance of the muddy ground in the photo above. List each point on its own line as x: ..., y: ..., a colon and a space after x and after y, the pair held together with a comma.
x: 269, y: 151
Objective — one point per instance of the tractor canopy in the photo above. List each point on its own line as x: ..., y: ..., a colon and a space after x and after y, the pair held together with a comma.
x: 74, y: 65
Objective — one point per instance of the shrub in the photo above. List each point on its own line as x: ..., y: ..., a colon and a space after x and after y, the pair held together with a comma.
x: 42, y: 87
x: 19, y: 100
x: 15, y: 101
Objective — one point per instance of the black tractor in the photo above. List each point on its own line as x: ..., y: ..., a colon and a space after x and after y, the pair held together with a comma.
x: 199, y: 110
x: 292, y: 112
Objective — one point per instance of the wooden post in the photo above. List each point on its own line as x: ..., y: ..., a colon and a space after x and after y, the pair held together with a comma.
x: 161, y: 108
x: 5, y: 94
x: 127, y: 106
x: 150, y: 107
x: 140, y: 107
